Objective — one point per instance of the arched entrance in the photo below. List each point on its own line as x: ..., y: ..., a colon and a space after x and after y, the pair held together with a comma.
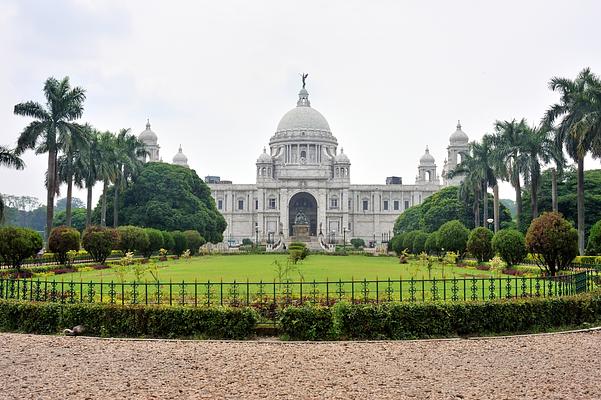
x: 306, y: 203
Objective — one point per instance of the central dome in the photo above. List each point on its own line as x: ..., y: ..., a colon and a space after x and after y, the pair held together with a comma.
x: 303, y: 117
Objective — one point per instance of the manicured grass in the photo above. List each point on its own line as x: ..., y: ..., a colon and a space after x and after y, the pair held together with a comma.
x: 263, y: 267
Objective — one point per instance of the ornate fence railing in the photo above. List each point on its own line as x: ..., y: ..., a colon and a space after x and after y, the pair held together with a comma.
x: 277, y: 294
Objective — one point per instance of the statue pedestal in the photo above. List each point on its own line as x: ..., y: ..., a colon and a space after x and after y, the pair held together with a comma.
x: 300, y: 232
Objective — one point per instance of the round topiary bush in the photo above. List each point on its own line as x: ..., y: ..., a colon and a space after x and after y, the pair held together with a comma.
x: 62, y: 240
x: 180, y: 243
x: 509, y: 244
x: 397, y: 243
x: 168, y: 242
x: 553, y: 242
x: 18, y: 244
x: 419, y: 242
x: 431, y: 246
x: 479, y: 244
x: 132, y: 239
x: 593, y: 247
x: 194, y: 241
x: 99, y: 241
x: 452, y: 236
x: 358, y: 243
x: 155, y: 242
x: 408, y: 239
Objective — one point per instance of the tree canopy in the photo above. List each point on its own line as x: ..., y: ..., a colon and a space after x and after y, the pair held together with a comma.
x: 168, y: 197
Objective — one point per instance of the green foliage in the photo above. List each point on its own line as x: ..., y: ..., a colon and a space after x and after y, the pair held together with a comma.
x: 428, y: 320
x: 297, y: 252
x: 168, y: 242
x: 452, y: 236
x: 247, y: 242
x: 155, y: 242
x: 194, y: 241
x: 99, y: 241
x: 169, y: 197
x: 132, y: 239
x: 18, y: 244
x: 180, y: 243
x: 358, y: 243
x: 510, y: 245
x: 553, y: 241
x: 409, y: 220
x: 408, y: 239
x: 78, y: 218
x: 61, y: 240
x: 593, y: 246
x: 396, y: 244
x: 431, y: 246
x: 128, y: 321
x: 419, y: 242
x: 479, y: 244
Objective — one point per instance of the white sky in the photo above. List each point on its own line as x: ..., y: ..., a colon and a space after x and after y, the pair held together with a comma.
x: 216, y: 76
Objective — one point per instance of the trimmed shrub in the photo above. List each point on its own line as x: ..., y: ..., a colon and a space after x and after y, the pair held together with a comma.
x: 168, y: 242
x: 408, y: 239
x: 509, y: 244
x: 419, y: 242
x: 397, y: 243
x: 358, y: 243
x: 247, y: 242
x: 553, y: 241
x: 155, y: 242
x: 297, y: 251
x: 132, y: 239
x: 194, y: 241
x: 18, y: 244
x: 99, y: 241
x: 479, y: 244
x: 307, y: 323
x: 129, y: 320
x: 431, y: 246
x: 593, y: 247
x: 452, y: 236
x: 180, y: 242
x: 62, y: 240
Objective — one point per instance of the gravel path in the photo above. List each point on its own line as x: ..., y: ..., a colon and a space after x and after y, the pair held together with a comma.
x: 566, y: 366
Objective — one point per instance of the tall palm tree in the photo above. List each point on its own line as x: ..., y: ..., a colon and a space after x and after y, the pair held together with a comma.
x: 129, y: 155
x: 9, y: 159
x: 578, y: 114
x: 86, y: 162
x: 509, y: 139
x: 106, y: 167
x: 53, y: 129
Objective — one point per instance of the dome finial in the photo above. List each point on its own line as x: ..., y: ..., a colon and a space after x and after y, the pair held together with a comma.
x: 427, y: 150
x: 180, y: 148
x: 458, y: 124
x: 303, y: 95
x: 147, y: 123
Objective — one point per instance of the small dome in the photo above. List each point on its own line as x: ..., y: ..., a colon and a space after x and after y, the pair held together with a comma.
x: 264, y: 157
x: 427, y: 158
x: 459, y: 137
x: 148, y: 137
x: 180, y: 158
x: 341, y: 157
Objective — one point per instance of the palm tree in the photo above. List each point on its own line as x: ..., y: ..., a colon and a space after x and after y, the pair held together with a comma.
x: 579, y: 129
x: 539, y: 148
x: 9, y: 159
x: 106, y: 167
x: 86, y: 162
x: 53, y: 129
x: 129, y: 155
x: 509, y: 142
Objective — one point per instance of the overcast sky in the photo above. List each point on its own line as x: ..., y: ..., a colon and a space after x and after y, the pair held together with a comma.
x: 216, y: 76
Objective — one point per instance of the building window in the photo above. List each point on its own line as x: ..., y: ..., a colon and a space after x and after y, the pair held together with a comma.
x: 406, y: 204
x: 396, y: 205
x: 271, y: 203
x: 349, y: 226
x: 349, y: 205
x: 385, y: 205
x: 220, y: 204
x: 256, y: 204
x: 334, y: 202
x: 240, y: 204
x: 365, y: 205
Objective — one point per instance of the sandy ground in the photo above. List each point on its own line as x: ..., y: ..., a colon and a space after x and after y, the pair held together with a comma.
x: 566, y: 366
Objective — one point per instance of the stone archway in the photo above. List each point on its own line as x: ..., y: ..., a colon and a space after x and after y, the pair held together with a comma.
x: 307, y: 203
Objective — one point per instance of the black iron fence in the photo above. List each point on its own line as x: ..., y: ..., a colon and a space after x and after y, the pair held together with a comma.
x: 278, y: 294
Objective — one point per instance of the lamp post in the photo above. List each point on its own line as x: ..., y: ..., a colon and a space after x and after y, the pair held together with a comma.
x: 257, y: 236
x: 490, y: 221
x: 344, y: 239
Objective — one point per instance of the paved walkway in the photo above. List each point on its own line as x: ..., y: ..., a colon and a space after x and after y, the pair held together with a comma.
x: 566, y: 366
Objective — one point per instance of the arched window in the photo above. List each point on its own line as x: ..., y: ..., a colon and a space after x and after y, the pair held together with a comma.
x: 263, y: 171
x: 303, y: 154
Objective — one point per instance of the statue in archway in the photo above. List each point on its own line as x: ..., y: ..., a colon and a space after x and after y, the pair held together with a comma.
x: 301, y: 218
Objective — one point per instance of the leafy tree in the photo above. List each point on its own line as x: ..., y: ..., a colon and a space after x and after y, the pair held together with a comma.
x: 431, y: 246
x: 53, y: 129
x: 132, y: 239
x: 170, y: 197
x: 155, y: 242
x: 408, y: 239
x: 479, y: 243
x: 452, y: 236
x: 552, y: 241
x: 180, y: 242
x: 195, y: 240
x: 509, y: 244
x: 409, y: 220
x: 168, y: 242
x: 62, y: 240
x: 358, y: 243
x: 61, y: 204
x: 99, y: 241
x: 78, y: 218
x: 9, y: 159
x: 18, y: 244
x: 593, y: 247
x: 419, y: 242
x: 397, y: 243
x: 578, y: 114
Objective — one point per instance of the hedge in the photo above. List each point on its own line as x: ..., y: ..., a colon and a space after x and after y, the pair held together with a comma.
x: 128, y: 321
x: 430, y: 320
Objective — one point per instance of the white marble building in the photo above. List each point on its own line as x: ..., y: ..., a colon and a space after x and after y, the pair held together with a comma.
x: 303, y: 169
